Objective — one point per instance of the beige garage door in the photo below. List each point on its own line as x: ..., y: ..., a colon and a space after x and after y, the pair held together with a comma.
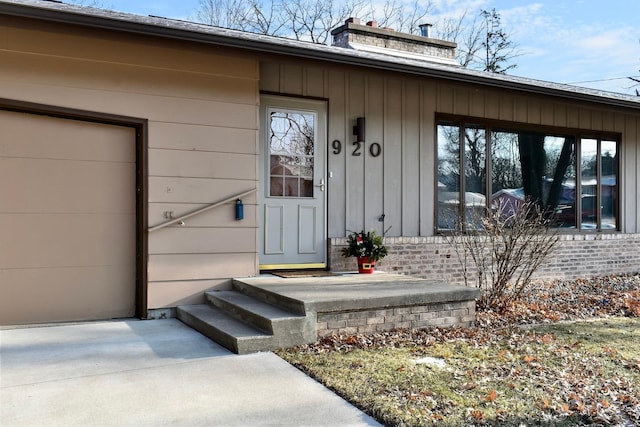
x: 67, y: 220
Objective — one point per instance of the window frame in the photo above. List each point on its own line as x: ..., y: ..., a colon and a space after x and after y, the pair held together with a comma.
x: 491, y: 126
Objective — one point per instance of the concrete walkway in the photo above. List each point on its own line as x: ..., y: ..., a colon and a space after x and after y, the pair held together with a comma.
x: 153, y: 373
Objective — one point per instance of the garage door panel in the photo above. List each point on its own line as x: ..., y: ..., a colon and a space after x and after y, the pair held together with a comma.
x: 65, y: 294
x: 65, y: 139
x: 67, y: 220
x: 66, y: 186
x: 84, y: 240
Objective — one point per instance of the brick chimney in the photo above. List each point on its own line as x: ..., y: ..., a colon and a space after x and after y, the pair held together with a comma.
x: 370, y: 38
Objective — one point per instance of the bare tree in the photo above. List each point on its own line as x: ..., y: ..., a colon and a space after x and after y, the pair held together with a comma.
x: 223, y: 13
x: 482, y: 43
x: 265, y: 19
x: 512, y: 242
x: 467, y: 33
x: 498, y: 49
x: 313, y: 20
x: 402, y: 16
x: 310, y: 20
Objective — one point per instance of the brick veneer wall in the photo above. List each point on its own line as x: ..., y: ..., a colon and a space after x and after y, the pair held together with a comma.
x: 576, y: 255
x: 460, y: 313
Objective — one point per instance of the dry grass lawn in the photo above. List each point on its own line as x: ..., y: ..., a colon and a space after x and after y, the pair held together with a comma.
x: 584, y: 372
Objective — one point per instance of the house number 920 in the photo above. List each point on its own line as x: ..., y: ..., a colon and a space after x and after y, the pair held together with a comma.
x: 375, y: 149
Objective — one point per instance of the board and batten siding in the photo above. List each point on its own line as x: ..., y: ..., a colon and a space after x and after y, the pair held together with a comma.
x: 400, y: 113
x: 201, y: 106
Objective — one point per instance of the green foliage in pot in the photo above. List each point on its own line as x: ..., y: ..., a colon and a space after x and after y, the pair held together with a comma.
x: 365, y: 244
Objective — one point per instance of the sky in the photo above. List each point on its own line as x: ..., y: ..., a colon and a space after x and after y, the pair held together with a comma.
x: 590, y: 43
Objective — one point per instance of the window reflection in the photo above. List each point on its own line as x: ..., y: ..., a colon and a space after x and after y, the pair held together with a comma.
x: 475, y: 164
x: 291, y: 147
x: 609, y: 189
x: 588, y: 182
x: 526, y: 166
x: 448, y: 176
x: 536, y: 167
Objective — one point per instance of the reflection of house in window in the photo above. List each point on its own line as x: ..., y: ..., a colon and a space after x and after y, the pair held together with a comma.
x: 449, y: 208
x: 508, y: 199
x: 565, y: 212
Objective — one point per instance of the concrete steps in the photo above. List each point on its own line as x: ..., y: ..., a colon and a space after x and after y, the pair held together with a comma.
x: 245, y: 324
x: 266, y: 313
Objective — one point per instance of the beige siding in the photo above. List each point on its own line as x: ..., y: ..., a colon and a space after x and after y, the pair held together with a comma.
x: 199, y: 164
x: 392, y: 155
x: 400, y: 114
x: 373, y: 179
x: 100, y: 46
x: 411, y: 147
x: 201, y: 105
x: 202, y: 240
x: 202, y: 138
x: 182, y: 267
x: 174, y: 293
x: 631, y: 176
x: 427, y: 159
x: 339, y: 130
x: 355, y: 182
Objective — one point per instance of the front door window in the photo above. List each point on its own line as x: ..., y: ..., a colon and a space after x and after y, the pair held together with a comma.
x: 291, y: 153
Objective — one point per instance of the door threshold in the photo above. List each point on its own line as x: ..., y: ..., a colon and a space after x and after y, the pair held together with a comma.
x: 270, y: 267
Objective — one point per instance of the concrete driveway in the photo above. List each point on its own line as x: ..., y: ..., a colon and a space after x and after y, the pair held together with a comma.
x: 153, y: 373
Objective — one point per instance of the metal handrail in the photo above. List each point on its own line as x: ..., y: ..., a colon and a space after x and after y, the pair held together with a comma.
x: 200, y: 210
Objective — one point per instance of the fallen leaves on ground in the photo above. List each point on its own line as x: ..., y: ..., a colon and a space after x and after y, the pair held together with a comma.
x: 561, y: 300
x: 526, y: 365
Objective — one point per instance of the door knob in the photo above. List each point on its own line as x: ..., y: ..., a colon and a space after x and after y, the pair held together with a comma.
x: 321, y: 185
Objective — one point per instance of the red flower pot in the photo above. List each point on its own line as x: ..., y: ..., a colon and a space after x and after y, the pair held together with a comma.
x: 366, y: 266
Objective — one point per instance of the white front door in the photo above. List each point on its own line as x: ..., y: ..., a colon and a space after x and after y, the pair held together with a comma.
x: 293, y: 188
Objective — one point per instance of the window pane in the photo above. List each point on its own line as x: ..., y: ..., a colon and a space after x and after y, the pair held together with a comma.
x: 291, y: 152
x: 559, y: 189
x: 532, y: 162
x: 589, y: 187
x: 534, y: 166
x: 291, y: 133
x: 291, y: 187
x: 609, y: 188
x: 506, y: 172
x: 475, y: 194
x: 306, y: 187
x: 448, y: 176
x: 276, y: 186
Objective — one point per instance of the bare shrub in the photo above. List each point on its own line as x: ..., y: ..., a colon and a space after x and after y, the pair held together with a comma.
x: 502, y: 249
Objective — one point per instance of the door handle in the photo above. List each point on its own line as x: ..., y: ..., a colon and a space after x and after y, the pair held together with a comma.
x: 321, y: 185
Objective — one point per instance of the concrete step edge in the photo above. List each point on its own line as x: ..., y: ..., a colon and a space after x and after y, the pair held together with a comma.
x: 281, y: 301
x: 260, y: 314
x: 224, y: 329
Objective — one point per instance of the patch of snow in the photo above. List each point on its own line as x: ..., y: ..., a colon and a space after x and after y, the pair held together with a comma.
x: 432, y: 361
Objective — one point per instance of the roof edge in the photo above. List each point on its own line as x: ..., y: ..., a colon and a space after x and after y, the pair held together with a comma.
x: 201, y: 33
